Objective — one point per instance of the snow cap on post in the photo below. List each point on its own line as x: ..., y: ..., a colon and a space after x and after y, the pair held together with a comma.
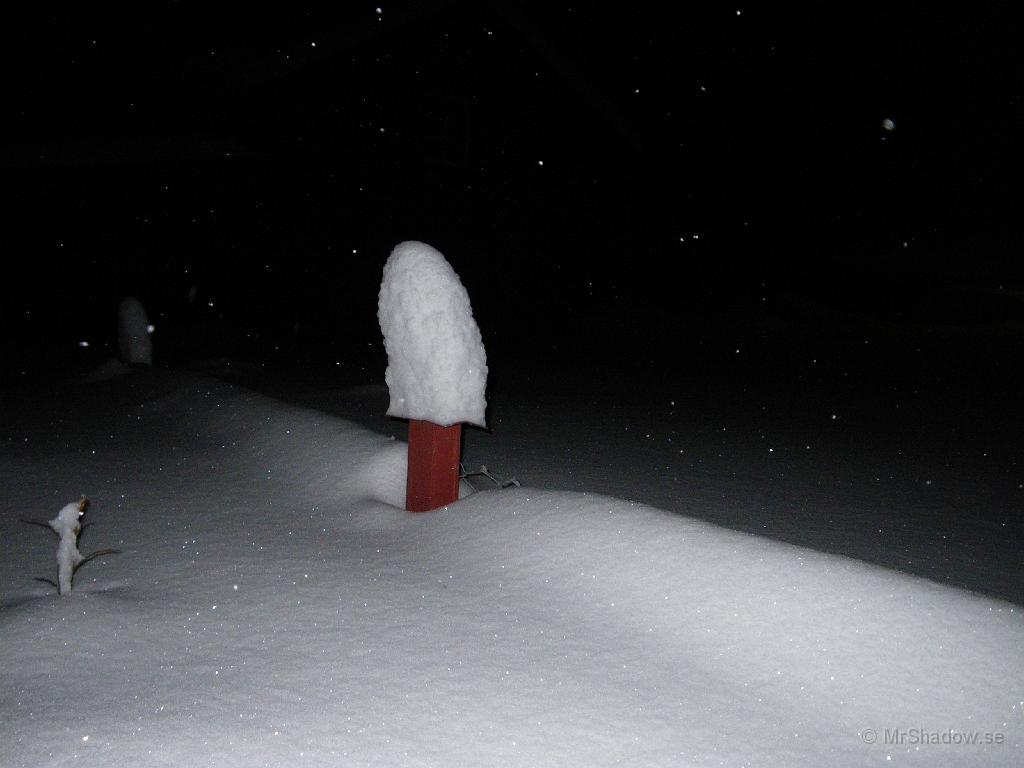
x: 437, y: 367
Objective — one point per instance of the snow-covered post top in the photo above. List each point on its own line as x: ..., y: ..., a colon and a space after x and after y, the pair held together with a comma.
x: 133, y: 331
x: 437, y: 367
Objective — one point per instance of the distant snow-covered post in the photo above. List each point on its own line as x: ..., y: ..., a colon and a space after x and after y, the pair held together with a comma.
x: 437, y: 367
x: 133, y: 331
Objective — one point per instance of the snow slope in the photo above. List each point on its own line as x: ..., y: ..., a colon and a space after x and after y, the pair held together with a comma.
x: 273, y: 605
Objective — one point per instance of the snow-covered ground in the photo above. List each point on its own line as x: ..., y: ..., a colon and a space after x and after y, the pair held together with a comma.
x: 273, y: 605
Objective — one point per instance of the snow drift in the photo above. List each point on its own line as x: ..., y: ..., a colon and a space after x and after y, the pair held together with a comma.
x: 273, y: 606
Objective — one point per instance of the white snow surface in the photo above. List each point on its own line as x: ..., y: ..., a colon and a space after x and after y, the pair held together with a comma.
x: 437, y: 366
x: 273, y: 605
x: 133, y: 332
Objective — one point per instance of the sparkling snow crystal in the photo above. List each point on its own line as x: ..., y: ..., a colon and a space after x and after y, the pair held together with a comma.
x: 437, y: 367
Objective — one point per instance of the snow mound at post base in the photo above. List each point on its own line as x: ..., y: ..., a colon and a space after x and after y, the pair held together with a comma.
x: 437, y: 367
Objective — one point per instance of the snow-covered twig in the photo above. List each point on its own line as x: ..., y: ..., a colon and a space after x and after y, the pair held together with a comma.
x: 483, y: 472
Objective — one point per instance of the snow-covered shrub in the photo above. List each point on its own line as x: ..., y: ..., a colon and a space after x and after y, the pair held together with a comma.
x: 133, y: 331
x: 437, y: 366
x: 67, y: 525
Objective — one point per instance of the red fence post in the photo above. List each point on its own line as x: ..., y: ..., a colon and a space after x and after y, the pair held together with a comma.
x: 433, y: 479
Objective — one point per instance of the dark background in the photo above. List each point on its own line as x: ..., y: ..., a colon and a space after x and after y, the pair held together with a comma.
x: 606, y: 178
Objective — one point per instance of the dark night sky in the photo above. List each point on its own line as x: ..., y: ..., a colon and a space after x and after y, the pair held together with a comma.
x: 246, y: 173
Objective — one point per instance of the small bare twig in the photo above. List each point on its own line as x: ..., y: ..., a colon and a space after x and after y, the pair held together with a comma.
x: 40, y: 523
x: 97, y: 553
x: 45, y: 524
x: 483, y: 472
